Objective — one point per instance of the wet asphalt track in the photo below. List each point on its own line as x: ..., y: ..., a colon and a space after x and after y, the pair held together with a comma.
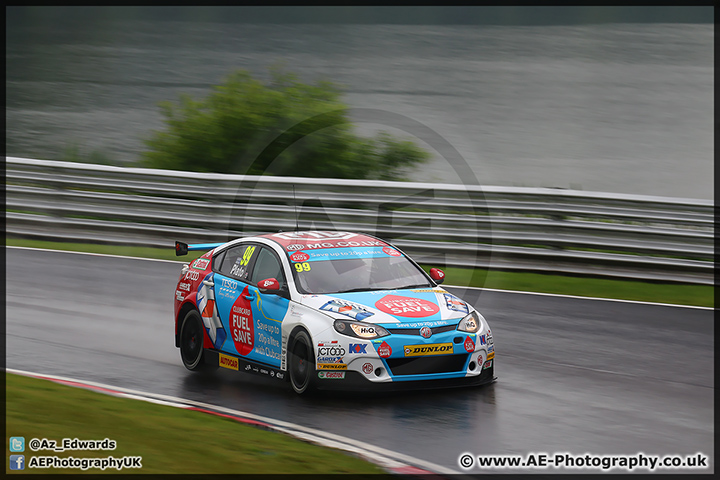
x: 574, y: 375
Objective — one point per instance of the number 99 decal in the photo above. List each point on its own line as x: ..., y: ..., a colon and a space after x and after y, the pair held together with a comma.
x: 247, y: 255
x: 302, y: 267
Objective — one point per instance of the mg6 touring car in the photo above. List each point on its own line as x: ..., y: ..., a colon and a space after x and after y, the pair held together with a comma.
x: 326, y: 309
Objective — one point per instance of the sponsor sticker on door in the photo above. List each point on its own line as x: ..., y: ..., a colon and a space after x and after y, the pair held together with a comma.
x: 242, y: 328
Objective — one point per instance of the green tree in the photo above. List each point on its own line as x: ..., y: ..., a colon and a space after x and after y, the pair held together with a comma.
x: 284, y: 127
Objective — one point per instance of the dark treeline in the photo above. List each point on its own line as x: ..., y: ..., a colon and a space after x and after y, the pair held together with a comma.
x: 466, y: 15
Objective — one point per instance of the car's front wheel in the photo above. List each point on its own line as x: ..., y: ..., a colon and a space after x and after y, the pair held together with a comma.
x: 302, y: 363
x: 191, y: 342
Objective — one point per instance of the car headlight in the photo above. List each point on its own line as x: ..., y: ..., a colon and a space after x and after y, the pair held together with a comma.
x: 360, y: 330
x: 470, y: 323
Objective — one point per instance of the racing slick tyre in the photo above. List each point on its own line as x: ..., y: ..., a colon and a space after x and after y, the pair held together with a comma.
x: 191, y: 342
x: 302, y: 363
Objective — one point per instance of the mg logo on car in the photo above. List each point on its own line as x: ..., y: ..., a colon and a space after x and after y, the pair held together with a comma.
x: 425, y: 332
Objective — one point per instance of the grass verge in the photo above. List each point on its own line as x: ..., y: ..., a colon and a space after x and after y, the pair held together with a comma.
x: 681, y: 294
x: 169, y: 439
x: 675, y: 293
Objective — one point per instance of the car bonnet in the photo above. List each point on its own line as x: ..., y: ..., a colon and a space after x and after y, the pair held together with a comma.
x: 421, y: 305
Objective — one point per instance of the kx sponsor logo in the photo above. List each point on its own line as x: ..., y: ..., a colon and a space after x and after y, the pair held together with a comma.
x: 357, y: 347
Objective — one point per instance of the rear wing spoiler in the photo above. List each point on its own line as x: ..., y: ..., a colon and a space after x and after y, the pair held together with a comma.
x: 183, y: 248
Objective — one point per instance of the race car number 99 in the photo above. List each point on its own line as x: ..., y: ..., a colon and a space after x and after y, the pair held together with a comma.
x: 247, y: 255
x: 302, y: 267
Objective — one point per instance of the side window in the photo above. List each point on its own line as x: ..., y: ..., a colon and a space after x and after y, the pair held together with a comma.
x: 267, y: 265
x: 238, y: 261
x: 217, y: 261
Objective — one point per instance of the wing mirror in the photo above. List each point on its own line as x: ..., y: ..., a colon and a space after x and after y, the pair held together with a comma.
x: 437, y: 275
x: 269, y: 285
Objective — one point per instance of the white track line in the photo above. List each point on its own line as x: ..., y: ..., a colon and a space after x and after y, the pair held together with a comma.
x: 520, y: 292
x: 96, y: 254
x: 393, y: 461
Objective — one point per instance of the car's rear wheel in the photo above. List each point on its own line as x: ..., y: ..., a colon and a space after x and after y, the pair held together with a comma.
x: 191, y: 342
x: 302, y: 363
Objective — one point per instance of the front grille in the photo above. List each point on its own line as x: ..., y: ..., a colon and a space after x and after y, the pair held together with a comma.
x: 416, y: 331
x: 430, y: 364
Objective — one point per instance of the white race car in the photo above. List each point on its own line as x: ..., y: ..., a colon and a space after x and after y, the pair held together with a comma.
x: 325, y: 309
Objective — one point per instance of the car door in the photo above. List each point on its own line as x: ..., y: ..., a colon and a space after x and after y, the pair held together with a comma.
x: 252, y: 319
x: 233, y: 298
x: 268, y: 309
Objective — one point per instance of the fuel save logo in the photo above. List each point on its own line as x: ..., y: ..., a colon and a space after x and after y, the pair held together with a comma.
x: 406, y: 306
x: 242, y: 329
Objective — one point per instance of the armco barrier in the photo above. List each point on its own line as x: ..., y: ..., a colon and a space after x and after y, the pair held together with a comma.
x: 508, y: 228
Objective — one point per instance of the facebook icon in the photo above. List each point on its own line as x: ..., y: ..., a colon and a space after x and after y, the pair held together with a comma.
x: 17, y: 462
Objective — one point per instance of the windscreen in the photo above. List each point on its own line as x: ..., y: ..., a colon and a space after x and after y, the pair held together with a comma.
x: 354, y: 271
